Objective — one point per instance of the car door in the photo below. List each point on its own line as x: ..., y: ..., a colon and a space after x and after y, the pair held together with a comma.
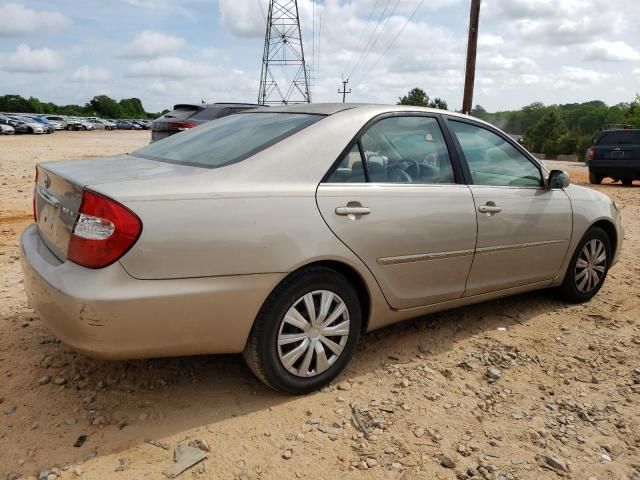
x: 397, y: 199
x: 524, y: 228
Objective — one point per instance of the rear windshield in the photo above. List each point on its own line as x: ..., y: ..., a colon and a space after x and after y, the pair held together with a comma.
x: 227, y: 140
x: 620, y: 137
x: 182, y: 113
x: 208, y: 113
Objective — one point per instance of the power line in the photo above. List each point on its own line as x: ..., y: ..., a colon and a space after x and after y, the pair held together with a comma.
x: 369, y: 41
x: 264, y: 16
x: 392, y: 42
x: 320, y: 10
x: 375, y: 42
x: 361, y: 40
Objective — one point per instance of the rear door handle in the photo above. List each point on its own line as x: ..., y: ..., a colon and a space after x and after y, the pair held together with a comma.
x: 346, y: 211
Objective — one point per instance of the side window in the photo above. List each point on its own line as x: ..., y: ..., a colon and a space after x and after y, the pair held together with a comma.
x: 350, y: 169
x: 492, y: 160
x: 407, y: 150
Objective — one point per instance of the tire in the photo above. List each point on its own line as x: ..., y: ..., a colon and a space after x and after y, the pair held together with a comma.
x: 594, y: 179
x: 69, y: 127
x: 627, y: 182
x: 571, y: 290
x: 262, y: 352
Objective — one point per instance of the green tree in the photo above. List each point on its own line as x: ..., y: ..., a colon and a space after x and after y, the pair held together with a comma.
x: 544, y: 136
x: 419, y: 98
x: 105, y: 106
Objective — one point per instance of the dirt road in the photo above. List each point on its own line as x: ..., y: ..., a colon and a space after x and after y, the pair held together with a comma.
x: 521, y: 388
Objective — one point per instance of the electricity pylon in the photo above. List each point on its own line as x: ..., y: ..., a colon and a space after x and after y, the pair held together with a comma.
x: 283, y: 49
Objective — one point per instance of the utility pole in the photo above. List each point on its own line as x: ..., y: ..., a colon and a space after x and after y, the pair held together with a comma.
x: 283, y: 49
x: 344, y: 90
x: 472, y: 47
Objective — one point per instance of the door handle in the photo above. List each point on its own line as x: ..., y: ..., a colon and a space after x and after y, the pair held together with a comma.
x: 489, y: 208
x: 346, y: 211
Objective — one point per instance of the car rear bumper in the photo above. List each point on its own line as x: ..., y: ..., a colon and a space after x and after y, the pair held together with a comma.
x: 108, y: 314
x: 615, y: 167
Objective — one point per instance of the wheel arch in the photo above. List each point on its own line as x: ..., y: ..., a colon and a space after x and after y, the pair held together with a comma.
x: 610, y: 229
x: 353, y: 276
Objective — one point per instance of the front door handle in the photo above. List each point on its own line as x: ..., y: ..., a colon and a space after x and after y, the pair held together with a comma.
x: 346, y: 211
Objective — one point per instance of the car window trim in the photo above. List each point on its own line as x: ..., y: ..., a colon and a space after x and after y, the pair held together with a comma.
x: 469, y: 180
x: 458, y: 173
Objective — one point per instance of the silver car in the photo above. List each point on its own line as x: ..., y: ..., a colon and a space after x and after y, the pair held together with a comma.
x: 285, y: 233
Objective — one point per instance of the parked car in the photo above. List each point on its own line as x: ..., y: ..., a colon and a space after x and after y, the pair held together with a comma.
x: 143, y: 125
x: 185, y: 116
x: 102, y: 124
x: 127, y: 125
x: 285, y: 233
x: 6, y: 129
x: 48, y: 128
x: 17, y: 125
x: 64, y: 122
x: 32, y: 125
x: 83, y: 123
x: 615, y: 154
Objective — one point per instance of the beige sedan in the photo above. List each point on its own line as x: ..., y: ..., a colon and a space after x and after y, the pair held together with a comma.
x: 285, y: 233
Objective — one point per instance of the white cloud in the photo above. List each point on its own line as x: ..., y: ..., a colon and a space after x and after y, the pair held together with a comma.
x: 16, y: 20
x: 242, y: 18
x: 606, y: 51
x: 28, y: 60
x: 149, y: 44
x: 581, y: 76
x: 87, y: 74
x: 168, y: 67
x: 636, y: 71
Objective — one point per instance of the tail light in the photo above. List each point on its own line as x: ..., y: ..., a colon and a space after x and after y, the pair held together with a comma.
x: 104, y: 231
x: 180, y: 126
x: 591, y: 152
x: 35, y: 192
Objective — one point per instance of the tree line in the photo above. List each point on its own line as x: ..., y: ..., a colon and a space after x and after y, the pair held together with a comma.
x: 99, y: 106
x: 550, y: 129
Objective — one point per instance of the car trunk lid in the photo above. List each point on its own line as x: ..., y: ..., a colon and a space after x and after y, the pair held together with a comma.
x: 59, y: 186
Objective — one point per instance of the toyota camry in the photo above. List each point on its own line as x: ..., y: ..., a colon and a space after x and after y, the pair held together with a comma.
x: 286, y: 233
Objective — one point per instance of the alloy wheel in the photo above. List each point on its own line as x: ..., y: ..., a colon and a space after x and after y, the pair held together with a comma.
x: 591, y: 266
x: 313, y: 333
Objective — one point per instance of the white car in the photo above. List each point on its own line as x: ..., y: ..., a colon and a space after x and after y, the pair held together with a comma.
x: 6, y: 129
x: 101, y: 124
x: 32, y: 125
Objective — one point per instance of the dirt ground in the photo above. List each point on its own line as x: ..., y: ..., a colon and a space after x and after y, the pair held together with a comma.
x: 564, y: 399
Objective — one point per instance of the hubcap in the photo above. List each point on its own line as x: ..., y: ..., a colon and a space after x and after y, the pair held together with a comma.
x: 591, y: 266
x: 313, y: 333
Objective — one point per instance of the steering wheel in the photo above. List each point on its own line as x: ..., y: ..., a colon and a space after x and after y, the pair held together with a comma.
x: 397, y: 174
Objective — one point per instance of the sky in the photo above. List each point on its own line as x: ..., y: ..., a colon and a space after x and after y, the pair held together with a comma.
x: 178, y: 51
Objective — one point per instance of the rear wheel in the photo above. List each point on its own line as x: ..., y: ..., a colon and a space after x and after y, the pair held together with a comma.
x: 306, y: 331
x: 588, y: 267
x: 594, y: 179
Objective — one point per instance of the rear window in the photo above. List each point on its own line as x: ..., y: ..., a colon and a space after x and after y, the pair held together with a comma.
x: 210, y: 113
x: 227, y: 140
x: 620, y: 137
x: 182, y: 113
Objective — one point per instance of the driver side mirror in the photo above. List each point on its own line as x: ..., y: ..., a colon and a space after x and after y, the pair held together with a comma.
x: 558, y: 179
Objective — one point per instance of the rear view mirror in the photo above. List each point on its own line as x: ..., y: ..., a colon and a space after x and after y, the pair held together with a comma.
x: 558, y: 179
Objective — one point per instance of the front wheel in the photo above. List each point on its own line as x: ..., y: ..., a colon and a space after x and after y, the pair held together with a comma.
x: 588, y: 267
x: 306, y: 331
x: 594, y: 179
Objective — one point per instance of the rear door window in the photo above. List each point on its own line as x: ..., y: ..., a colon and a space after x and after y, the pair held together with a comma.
x: 620, y: 137
x: 227, y: 140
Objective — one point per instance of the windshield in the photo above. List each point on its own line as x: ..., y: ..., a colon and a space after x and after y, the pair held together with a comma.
x: 227, y: 140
